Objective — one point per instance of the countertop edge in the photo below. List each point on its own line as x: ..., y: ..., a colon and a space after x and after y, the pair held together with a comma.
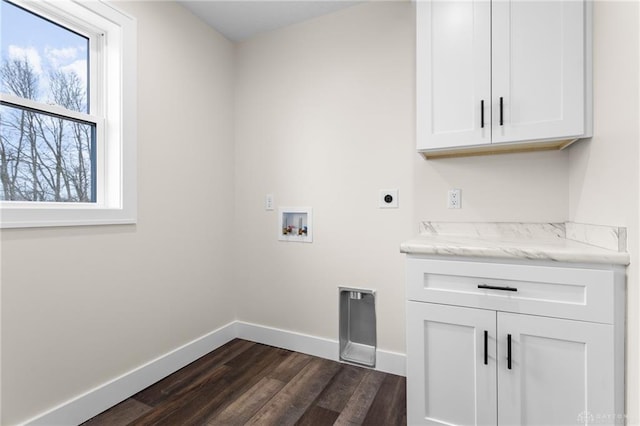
x: 553, y: 241
x: 423, y: 248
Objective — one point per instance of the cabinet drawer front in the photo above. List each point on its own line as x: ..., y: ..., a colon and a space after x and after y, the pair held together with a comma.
x: 564, y: 292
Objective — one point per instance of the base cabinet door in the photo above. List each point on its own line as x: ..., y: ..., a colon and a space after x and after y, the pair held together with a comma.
x: 560, y: 371
x: 450, y: 380
x: 469, y: 366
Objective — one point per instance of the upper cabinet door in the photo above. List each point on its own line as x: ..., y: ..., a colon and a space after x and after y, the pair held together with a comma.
x: 453, y: 73
x: 538, y: 70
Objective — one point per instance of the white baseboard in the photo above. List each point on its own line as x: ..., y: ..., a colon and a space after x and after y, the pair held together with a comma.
x: 389, y: 362
x: 304, y: 343
x: 95, y: 401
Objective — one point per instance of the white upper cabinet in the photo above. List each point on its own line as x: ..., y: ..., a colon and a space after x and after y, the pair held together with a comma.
x: 537, y: 63
x: 454, y: 73
x: 502, y: 75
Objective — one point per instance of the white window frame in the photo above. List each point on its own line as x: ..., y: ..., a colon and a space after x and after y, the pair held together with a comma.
x: 113, y: 110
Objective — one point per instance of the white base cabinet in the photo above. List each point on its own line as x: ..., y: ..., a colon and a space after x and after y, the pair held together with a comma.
x: 560, y: 371
x: 447, y: 380
x: 491, y: 360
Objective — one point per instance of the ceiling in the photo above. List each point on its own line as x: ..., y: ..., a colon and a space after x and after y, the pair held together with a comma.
x: 239, y: 20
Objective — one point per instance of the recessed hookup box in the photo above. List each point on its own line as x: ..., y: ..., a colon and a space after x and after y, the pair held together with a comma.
x: 358, y: 326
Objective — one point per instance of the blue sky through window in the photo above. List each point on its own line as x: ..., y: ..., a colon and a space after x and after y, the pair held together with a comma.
x: 46, y: 155
x: 47, y: 46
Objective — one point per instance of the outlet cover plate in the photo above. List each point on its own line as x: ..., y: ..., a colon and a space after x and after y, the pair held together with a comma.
x: 388, y: 199
x: 454, y: 199
x: 268, y: 202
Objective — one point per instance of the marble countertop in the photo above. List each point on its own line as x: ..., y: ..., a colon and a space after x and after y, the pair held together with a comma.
x: 561, y: 242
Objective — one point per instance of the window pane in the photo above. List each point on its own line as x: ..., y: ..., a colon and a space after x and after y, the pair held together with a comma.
x: 43, y: 61
x: 45, y: 158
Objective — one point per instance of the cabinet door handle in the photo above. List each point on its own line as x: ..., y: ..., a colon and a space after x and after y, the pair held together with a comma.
x: 509, y: 351
x: 495, y: 287
x: 486, y: 344
x: 501, y: 115
x: 482, y: 114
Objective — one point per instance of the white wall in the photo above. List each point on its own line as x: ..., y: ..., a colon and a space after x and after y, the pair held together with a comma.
x: 604, y: 178
x: 528, y: 187
x: 325, y: 118
x: 81, y: 306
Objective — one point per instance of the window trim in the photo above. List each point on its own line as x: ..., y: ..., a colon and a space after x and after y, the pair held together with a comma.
x: 113, y: 110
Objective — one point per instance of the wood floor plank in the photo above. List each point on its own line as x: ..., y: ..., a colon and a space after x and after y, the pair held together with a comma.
x: 250, y: 383
x: 244, y: 407
x: 196, y: 404
x: 358, y: 405
x: 291, y: 366
x: 120, y: 415
x: 171, y: 410
x: 335, y: 396
x: 297, y: 396
x: 389, y: 406
x: 318, y: 416
x: 174, y: 383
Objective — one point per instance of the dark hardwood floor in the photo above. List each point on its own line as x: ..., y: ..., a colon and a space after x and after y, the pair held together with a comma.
x: 246, y: 383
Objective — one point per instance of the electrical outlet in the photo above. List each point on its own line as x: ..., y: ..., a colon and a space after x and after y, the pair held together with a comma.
x: 268, y: 202
x: 388, y: 199
x: 454, y: 199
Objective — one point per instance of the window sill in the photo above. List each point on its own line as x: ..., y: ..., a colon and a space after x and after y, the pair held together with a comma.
x: 78, y: 215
